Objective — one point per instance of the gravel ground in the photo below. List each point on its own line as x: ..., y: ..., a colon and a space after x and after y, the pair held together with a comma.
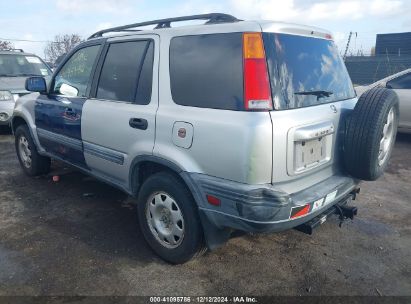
x: 81, y: 237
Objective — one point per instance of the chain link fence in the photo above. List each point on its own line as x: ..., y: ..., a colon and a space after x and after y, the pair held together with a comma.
x: 368, y: 69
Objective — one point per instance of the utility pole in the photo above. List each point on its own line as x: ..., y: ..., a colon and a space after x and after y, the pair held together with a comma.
x: 348, y: 44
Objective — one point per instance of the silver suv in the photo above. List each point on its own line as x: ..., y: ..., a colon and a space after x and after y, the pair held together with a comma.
x: 226, y: 126
x: 15, y: 67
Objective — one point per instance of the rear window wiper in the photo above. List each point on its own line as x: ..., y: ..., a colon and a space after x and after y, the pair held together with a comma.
x: 319, y: 94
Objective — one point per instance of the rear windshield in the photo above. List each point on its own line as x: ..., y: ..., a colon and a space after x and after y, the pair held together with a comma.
x: 305, y: 71
x: 12, y: 65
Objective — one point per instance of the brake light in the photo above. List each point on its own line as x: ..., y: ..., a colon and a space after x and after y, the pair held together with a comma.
x: 257, y: 93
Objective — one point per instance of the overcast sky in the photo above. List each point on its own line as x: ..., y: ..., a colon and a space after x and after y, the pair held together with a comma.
x: 42, y: 19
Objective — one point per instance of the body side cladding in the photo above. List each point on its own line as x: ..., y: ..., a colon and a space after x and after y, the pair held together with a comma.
x: 14, y: 125
x: 134, y: 183
x: 104, y: 153
x: 61, y: 139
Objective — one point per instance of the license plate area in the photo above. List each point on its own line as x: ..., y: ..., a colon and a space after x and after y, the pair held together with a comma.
x: 309, y: 147
x: 309, y: 153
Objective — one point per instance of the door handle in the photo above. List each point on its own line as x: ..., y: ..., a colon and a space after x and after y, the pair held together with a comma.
x: 70, y: 112
x: 138, y: 123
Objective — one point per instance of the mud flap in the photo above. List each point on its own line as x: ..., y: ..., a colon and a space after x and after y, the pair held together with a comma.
x: 214, y: 237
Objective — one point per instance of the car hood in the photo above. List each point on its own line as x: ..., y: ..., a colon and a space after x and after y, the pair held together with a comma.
x: 13, y: 84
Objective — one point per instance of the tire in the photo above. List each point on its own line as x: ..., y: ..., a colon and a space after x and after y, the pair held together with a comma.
x: 5, y: 130
x: 32, y: 163
x: 370, y: 134
x: 169, y: 219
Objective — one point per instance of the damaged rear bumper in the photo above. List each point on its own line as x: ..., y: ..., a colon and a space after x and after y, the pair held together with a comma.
x: 262, y: 208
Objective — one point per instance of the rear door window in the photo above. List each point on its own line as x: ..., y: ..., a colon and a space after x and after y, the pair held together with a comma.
x: 206, y: 71
x: 305, y: 71
x: 127, y: 72
x: 402, y: 82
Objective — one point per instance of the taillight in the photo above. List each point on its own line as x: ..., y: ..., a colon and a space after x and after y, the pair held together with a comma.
x: 257, y: 93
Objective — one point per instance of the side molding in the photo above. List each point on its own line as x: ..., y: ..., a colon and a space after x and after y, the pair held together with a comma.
x: 104, y: 153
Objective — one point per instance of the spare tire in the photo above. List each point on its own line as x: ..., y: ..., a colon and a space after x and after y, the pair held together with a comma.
x: 370, y: 133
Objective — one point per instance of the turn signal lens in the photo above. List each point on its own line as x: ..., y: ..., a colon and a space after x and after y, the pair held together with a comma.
x: 253, y: 46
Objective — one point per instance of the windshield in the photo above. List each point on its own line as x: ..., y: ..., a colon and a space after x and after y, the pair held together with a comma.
x: 305, y: 71
x: 13, y: 65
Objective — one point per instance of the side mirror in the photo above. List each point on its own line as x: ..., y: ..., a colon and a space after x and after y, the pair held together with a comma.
x: 36, y: 84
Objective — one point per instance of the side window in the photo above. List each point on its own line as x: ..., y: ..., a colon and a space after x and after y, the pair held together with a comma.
x: 402, y: 82
x: 127, y: 72
x: 74, y: 77
x: 206, y: 71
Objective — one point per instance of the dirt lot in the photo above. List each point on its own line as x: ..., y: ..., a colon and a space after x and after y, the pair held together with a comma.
x: 81, y: 237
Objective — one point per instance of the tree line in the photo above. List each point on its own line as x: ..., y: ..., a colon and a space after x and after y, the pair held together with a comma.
x: 55, y: 49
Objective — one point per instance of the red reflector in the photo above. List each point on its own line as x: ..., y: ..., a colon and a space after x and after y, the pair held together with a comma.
x: 328, y: 36
x: 212, y: 200
x: 299, y: 211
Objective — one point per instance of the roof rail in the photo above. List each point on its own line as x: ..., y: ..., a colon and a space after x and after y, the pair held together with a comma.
x: 15, y: 50
x: 165, y: 23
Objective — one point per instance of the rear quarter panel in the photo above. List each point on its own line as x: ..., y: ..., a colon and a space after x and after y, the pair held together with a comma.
x: 232, y: 145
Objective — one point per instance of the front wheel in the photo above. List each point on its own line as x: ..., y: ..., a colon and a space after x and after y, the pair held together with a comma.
x: 30, y: 160
x: 169, y: 219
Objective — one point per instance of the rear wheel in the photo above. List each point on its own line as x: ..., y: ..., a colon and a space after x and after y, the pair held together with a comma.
x: 370, y: 134
x: 32, y: 163
x: 169, y: 219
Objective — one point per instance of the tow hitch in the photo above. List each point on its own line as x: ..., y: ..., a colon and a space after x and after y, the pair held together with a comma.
x: 341, y: 209
x: 349, y: 211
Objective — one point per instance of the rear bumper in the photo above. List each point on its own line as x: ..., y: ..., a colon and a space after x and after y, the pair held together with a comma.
x: 262, y: 208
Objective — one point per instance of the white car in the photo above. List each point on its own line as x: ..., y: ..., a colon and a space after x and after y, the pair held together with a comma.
x: 401, y: 84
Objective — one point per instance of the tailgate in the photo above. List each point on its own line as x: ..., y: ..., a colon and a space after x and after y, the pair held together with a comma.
x: 307, y: 144
x: 312, y: 94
